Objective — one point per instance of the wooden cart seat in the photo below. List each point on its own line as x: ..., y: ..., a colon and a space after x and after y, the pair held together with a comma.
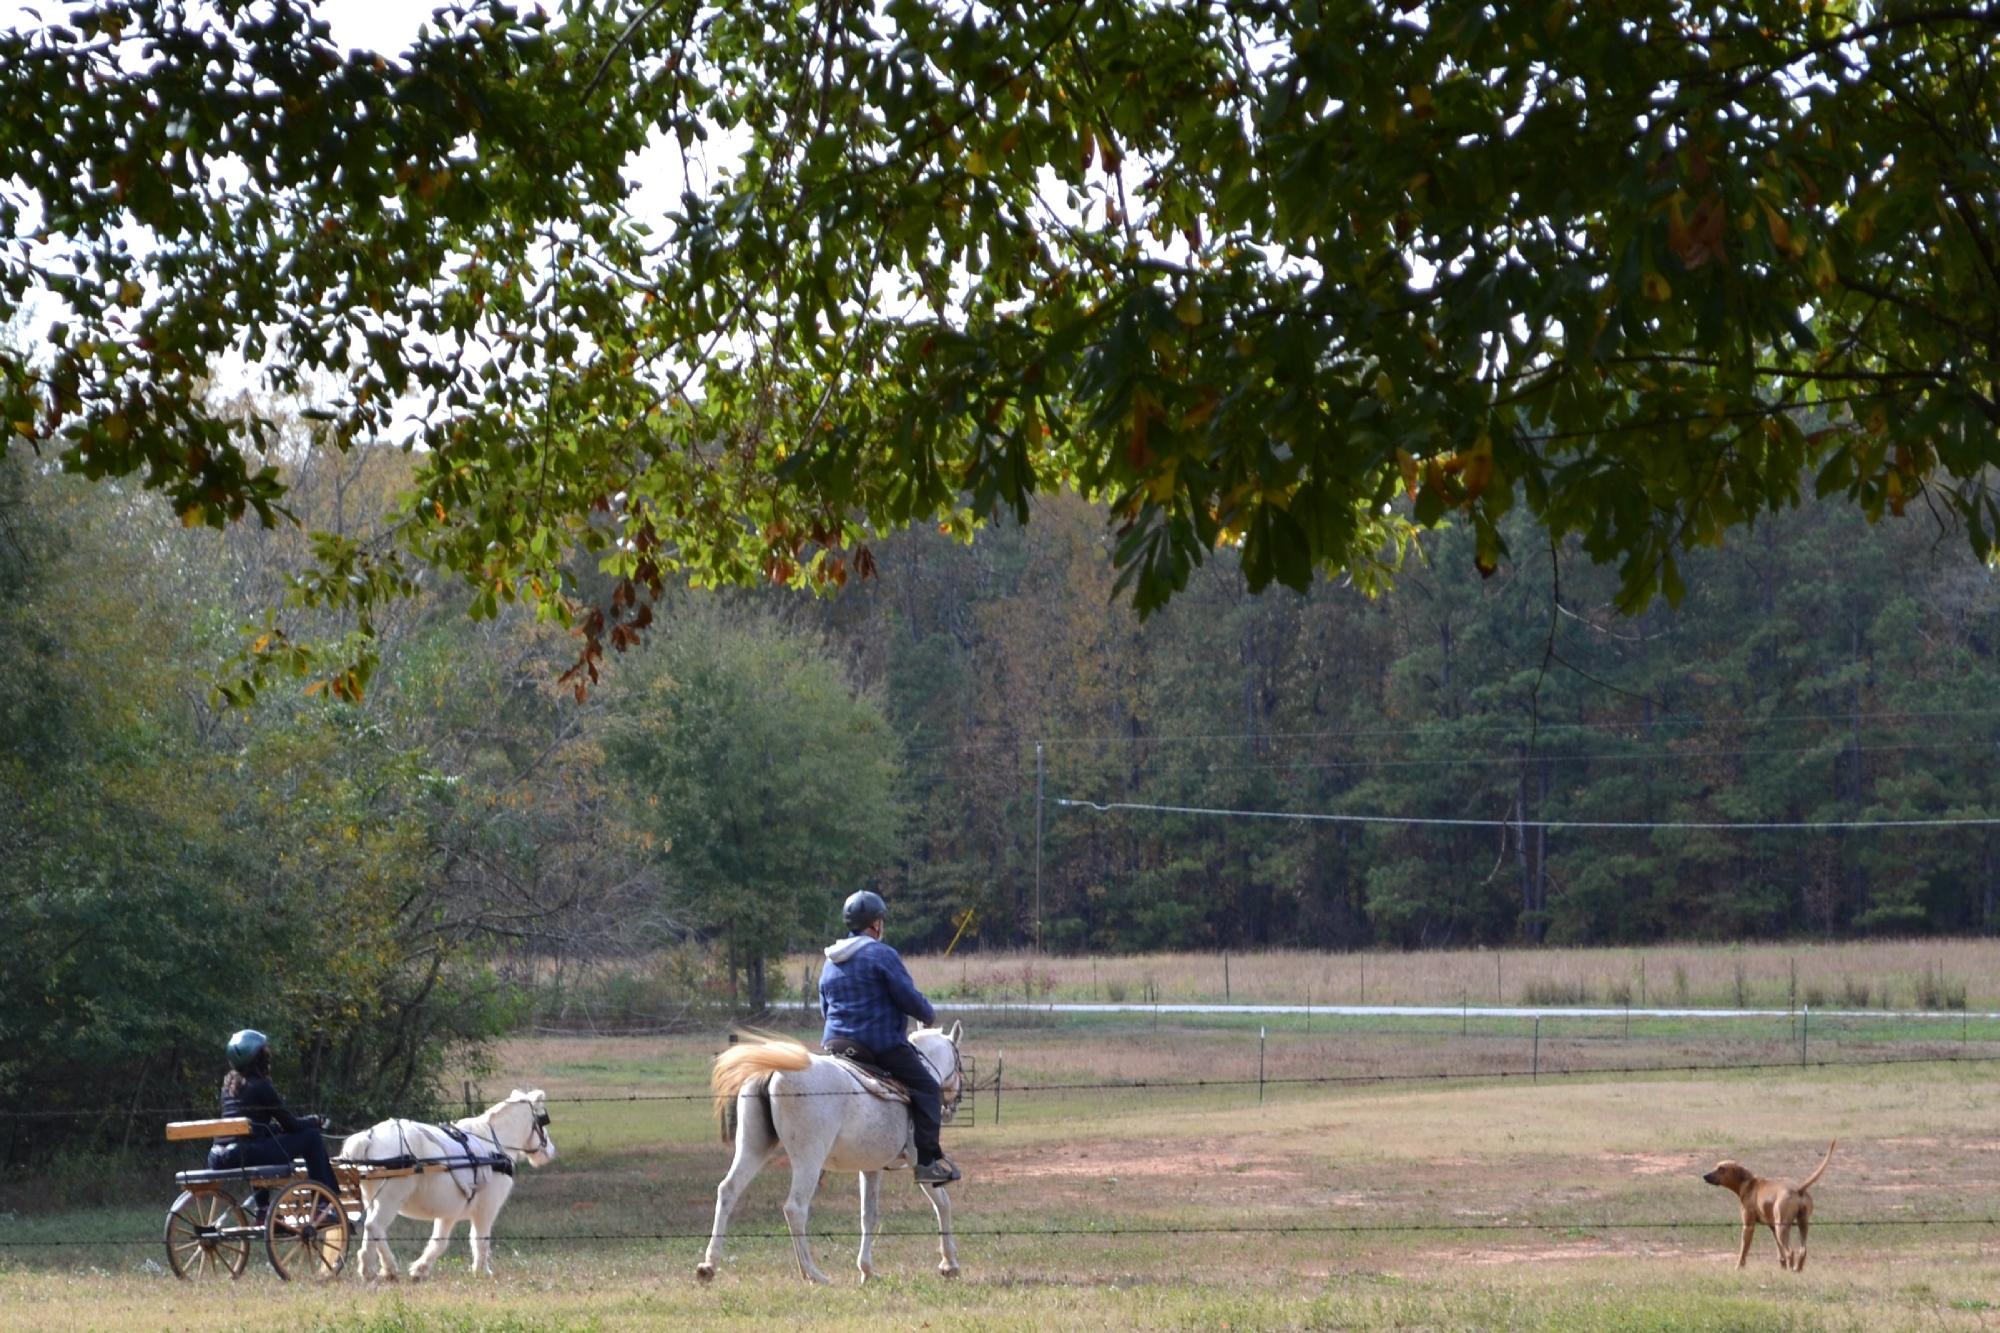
x: 228, y: 1127
x: 237, y: 1174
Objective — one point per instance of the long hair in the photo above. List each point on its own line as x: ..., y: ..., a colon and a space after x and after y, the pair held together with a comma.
x: 259, y: 1067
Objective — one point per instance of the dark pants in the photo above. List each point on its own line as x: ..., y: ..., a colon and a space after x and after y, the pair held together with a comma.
x: 907, y: 1067
x: 275, y: 1149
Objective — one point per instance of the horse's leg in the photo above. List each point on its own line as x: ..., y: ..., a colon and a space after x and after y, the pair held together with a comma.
x: 375, y: 1234
x: 439, y: 1242
x: 871, y: 1212
x: 798, y: 1209
x: 947, y: 1247
x: 755, y: 1144
x: 479, y: 1235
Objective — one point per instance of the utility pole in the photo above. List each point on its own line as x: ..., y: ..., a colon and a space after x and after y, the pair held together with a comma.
x: 1038, y: 846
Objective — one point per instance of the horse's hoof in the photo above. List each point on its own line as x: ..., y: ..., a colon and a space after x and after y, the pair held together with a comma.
x: 704, y: 1272
x: 952, y: 1271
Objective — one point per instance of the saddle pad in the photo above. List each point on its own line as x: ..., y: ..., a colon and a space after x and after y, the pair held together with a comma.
x: 877, y: 1082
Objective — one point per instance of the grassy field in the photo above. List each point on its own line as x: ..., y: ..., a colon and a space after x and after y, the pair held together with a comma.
x: 1501, y: 1200
x: 1878, y: 974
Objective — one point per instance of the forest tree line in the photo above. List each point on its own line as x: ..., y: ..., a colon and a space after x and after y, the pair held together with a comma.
x: 374, y: 881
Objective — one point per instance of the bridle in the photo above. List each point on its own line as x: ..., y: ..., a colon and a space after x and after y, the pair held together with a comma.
x: 540, y: 1142
x: 947, y: 1106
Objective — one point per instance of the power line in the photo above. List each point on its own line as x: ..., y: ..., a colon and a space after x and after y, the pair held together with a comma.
x: 1425, y: 821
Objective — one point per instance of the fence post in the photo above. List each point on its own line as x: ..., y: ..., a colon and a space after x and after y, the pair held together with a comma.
x: 1805, y: 1025
x: 1464, y: 1011
x: 468, y: 1099
x: 1364, y: 978
x: 1260, y: 1065
x: 1536, y: 1076
x: 1628, y: 1020
x: 1309, y: 1009
x: 999, y: 1077
x: 1225, y: 978
x: 1792, y: 998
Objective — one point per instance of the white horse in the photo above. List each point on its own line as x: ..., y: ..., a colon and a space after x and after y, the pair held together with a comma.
x: 780, y: 1095
x: 448, y: 1194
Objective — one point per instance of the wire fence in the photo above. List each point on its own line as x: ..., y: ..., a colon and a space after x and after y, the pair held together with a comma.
x: 738, y: 1235
x: 996, y: 1087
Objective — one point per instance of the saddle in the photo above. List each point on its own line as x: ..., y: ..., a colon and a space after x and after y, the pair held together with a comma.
x: 854, y: 1058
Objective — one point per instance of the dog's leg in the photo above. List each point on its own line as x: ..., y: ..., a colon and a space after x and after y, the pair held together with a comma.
x: 1781, y: 1230
x: 1799, y: 1254
x: 1749, y: 1234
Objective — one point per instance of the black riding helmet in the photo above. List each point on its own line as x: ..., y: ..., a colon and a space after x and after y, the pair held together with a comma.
x: 862, y: 910
x: 245, y: 1047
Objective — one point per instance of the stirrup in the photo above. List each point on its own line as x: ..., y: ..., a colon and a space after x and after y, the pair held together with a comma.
x: 940, y: 1172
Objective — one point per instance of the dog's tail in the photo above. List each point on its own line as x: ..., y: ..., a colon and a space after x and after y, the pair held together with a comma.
x: 1822, y: 1168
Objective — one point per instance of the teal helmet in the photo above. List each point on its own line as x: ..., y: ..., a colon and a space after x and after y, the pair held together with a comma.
x: 245, y: 1047
x: 862, y: 910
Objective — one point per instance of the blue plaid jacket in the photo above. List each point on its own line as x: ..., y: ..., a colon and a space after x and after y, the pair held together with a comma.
x: 867, y: 995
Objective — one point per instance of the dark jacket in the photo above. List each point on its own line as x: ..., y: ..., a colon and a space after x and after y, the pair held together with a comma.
x: 257, y: 1098
x: 867, y: 995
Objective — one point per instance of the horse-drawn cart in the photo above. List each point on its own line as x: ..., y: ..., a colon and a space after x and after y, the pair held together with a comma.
x: 306, y: 1230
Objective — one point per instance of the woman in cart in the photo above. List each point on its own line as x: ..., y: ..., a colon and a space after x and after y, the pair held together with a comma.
x: 276, y: 1135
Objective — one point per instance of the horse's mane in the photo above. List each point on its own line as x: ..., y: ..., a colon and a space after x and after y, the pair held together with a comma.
x: 754, y: 1054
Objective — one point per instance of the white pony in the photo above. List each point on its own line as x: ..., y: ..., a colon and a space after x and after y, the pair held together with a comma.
x: 448, y: 1192
x: 780, y: 1095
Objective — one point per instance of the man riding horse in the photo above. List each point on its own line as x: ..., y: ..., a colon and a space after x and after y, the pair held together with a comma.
x: 867, y: 996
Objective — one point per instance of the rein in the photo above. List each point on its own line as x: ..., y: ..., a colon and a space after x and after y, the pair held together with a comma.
x: 948, y: 1107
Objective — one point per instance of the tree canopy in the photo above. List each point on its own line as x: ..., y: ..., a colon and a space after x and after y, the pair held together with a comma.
x: 1296, y: 277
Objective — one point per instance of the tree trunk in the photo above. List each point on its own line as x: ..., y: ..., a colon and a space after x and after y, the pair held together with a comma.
x: 1541, y: 926
x: 1521, y: 866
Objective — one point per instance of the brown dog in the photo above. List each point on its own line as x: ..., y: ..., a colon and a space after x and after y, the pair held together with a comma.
x: 1773, y: 1203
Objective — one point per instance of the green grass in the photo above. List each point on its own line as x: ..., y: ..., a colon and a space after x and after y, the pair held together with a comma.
x: 1573, y: 1203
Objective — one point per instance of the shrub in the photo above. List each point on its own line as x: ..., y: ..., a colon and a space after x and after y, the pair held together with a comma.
x: 1936, y: 991
x: 1548, y: 990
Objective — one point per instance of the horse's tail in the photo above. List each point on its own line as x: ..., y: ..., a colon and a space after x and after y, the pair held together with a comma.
x: 1822, y: 1169
x: 754, y: 1055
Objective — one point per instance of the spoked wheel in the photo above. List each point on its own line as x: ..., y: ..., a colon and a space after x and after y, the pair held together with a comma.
x: 208, y: 1235
x: 307, y: 1233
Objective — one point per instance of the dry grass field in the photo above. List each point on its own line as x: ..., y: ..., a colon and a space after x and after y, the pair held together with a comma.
x: 1905, y: 974
x: 1571, y: 1200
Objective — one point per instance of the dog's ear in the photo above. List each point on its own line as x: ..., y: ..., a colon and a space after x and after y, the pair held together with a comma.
x: 1726, y: 1174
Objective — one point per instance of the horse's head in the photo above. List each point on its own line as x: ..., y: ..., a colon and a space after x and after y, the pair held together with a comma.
x: 521, y: 1125
x: 939, y: 1047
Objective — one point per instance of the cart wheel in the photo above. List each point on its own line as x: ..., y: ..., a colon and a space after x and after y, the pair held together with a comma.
x: 307, y: 1233
x: 208, y: 1235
